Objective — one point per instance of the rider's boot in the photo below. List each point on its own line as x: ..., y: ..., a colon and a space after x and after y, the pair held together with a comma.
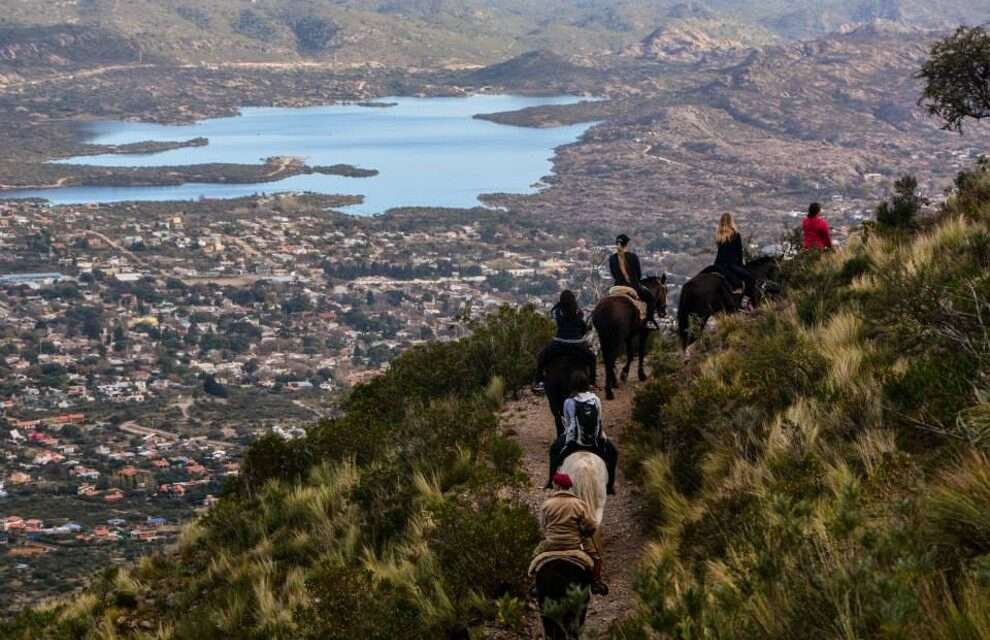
x: 598, y: 586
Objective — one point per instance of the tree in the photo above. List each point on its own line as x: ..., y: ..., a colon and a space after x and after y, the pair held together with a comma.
x: 214, y: 388
x: 904, y: 207
x: 957, y: 74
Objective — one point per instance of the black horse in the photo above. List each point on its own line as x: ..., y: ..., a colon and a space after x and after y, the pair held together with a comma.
x: 709, y: 293
x: 557, y: 384
x: 553, y: 581
x: 618, y: 323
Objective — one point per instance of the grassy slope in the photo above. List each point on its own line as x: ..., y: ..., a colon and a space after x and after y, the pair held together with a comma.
x: 823, y: 472
x: 391, y: 522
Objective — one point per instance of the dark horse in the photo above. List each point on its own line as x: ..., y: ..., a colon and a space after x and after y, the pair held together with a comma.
x: 618, y: 324
x: 709, y: 293
x: 553, y: 581
x: 557, y: 384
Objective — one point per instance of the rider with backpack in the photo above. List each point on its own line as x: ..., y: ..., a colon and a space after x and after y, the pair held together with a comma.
x: 583, y: 430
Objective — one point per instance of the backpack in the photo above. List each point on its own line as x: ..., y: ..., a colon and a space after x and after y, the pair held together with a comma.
x: 586, y: 416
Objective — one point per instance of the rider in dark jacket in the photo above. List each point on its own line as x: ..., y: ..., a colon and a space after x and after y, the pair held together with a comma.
x: 729, y: 257
x: 570, y: 338
x: 626, y: 272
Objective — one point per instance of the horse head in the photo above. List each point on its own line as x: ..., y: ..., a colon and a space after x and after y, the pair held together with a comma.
x: 658, y: 287
x: 764, y: 268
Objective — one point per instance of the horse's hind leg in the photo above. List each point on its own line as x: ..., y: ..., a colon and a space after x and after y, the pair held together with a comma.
x: 608, y: 355
x: 643, y: 336
x: 630, y: 354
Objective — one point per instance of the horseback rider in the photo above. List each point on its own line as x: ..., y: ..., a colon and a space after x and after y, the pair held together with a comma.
x: 569, y: 529
x: 572, y: 329
x: 729, y: 258
x: 626, y: 272
x: 583, y: 430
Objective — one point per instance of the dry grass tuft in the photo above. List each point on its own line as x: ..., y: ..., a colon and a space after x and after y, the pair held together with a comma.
x: 872, y: 446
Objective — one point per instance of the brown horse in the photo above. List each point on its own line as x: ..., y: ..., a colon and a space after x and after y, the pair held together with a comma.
x: 709, y: 293
x: 618, y: 324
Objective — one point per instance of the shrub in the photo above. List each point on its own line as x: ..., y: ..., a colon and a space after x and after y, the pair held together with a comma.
x: 471, y: 543
x: 506, y: 455
x: 903, y: 208
x: 958, y: 506
x: 254, y: 25
x: 347, y: 604
x: 271, y: 457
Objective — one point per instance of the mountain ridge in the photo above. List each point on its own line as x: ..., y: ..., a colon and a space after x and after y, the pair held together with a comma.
x: 436, y: 33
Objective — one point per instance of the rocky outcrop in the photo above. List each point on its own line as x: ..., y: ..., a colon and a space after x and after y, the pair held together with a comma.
x: 697, y: 38
x: 63, y: 46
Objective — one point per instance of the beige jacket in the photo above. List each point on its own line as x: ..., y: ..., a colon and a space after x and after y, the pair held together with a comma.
x: 568, y: 525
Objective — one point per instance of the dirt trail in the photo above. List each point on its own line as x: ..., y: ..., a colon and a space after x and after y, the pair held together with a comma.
x: 530, y: 423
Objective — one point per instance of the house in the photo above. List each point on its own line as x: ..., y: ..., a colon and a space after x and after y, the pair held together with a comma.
x: 114, y: 495
x: 33, y: 525
x: 18, y: 477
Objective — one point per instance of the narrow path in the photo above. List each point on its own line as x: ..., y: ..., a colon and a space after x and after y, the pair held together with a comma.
x: 529, y: 421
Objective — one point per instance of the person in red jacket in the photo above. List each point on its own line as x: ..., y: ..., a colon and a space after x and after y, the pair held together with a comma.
x: 816, y: 233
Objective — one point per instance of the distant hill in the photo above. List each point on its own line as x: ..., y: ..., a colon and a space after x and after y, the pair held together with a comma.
x: 692, y: 39
x: 530, y: 69
x: 461, y: 32
x: 64, y: 47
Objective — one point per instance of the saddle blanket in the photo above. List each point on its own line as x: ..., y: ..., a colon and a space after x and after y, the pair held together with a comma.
x: 630, y: 293
x: 575, y: 556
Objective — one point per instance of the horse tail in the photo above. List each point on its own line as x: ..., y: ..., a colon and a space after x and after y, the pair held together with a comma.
x: 590, y: 477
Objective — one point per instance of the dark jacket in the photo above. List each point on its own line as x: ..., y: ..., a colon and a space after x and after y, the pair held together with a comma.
x: 632, y: 267
x: 730, y: 254
x: 570, y: 328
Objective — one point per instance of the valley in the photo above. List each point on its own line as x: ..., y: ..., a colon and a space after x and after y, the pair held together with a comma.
x: 146, y: 342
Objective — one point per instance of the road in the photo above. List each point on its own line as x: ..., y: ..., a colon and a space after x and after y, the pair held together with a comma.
x: 135, y: 429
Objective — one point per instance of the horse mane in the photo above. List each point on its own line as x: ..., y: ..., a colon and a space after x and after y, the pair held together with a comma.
x: 590, y: 476
x: 761, y: 261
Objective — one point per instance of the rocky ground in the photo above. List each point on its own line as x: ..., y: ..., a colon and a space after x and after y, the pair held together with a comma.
x: 530, y: 422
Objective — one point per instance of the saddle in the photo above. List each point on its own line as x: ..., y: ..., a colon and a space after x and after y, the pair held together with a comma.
x: 630, y: 294
x: 736, y: 290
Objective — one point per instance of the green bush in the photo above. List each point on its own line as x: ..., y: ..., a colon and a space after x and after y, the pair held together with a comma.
x: 347, y: 603
x: 484, y: 548
x: 271, y: 457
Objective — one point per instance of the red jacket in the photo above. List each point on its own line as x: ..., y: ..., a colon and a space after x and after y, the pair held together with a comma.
x: 816, y: 234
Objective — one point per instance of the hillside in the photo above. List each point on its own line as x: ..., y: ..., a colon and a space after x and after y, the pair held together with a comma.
x: 820, y: 470
x: 456, y: 32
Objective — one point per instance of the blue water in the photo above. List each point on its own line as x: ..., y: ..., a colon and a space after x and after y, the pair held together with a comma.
x: 429, y: 152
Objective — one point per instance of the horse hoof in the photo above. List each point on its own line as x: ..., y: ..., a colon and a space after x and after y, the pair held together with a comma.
x: 609, y: 395
x: 642, y: 377
x: 625, y: 376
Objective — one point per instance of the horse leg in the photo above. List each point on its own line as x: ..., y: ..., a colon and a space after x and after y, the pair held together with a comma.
x: 643, y: 336
x: 630, y: 354
x: 608, y: 355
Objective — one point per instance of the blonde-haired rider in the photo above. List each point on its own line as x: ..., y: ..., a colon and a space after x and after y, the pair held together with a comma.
x: 729, y: 257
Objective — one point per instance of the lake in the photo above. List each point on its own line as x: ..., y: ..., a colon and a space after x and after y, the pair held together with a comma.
x: 429, y: 152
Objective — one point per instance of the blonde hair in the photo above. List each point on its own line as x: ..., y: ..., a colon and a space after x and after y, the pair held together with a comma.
x: 726, y: 229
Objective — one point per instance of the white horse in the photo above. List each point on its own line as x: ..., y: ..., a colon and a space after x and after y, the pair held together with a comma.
x: 590, y: 477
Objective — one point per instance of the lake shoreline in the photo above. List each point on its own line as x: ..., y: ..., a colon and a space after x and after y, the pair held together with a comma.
x: 122, y: 165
